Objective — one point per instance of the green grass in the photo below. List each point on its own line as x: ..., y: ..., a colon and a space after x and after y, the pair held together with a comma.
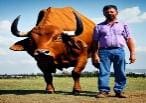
x: 32, y: 91
x: 66, y: 83
x: 136, y: 84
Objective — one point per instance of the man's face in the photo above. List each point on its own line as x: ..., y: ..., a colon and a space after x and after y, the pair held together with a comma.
x: 110, y: 14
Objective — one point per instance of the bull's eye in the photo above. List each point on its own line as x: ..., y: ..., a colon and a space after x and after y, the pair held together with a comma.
x: 58, y: 38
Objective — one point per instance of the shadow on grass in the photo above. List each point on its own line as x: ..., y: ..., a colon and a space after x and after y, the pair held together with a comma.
x: 25, y: 92
x: 83, y: 93
x: 21, y: 92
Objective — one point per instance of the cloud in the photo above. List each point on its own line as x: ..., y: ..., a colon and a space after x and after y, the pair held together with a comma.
x: 4, y: 45
x: 26, y: 61
x: 2, y: 52
x: 5, y: 25
x: 4, y: 41
x: 141, y: 49
x: 98, y: 20
x: 129, y: 15
x: 132, y: 15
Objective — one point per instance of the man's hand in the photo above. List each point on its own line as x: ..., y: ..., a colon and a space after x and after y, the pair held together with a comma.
x: 95, y: 60
x: 132, y: 58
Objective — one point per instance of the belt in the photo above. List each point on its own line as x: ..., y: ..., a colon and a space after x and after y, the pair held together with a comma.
x: 108, y: 48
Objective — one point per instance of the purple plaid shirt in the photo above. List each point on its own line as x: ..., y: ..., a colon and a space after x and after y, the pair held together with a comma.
x: 114, y: 35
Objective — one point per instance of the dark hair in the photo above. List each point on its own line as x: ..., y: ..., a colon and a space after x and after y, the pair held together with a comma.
x: 109, y: 7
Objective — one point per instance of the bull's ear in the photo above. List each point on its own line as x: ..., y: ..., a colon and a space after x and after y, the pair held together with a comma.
x: 20, y: 45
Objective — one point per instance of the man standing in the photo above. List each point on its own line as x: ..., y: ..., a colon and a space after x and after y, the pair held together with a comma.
x: 110, y: 38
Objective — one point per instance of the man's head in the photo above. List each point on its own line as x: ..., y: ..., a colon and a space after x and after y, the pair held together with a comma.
x: 110, y: 12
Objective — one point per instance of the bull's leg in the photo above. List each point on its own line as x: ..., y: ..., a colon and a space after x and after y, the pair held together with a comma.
x: 47, y: 77
x: 76, y: 78
x: 77, y: 72
x: 49, y: 82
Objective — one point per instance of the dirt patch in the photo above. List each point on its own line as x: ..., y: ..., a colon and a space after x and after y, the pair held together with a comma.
x: 66, y: 97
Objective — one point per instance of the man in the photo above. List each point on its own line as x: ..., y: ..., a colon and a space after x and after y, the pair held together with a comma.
x: 110, y: 38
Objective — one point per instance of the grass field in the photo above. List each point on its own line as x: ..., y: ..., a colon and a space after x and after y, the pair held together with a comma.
x: 32, y: 91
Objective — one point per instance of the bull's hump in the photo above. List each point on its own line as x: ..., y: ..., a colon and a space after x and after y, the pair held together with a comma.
x: 61, y: 17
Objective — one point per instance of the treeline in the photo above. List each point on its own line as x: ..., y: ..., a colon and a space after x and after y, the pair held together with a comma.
x: 84, y: 74
x: 95, y: 74
x: 20, y: 76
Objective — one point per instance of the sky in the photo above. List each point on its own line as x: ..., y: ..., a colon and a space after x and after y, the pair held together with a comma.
x: 133, y: 12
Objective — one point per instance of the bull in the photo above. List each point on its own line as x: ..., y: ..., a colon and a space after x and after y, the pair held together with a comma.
x: 62, y: 38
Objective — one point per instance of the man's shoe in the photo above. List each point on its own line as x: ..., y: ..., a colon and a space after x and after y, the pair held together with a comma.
x: 102, y: 94
x: 121, y: 95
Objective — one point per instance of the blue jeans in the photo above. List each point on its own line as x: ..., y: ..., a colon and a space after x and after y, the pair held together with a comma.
x: 117, y: 57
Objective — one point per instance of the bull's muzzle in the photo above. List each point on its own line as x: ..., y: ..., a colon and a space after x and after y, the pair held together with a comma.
x: 43, y: 55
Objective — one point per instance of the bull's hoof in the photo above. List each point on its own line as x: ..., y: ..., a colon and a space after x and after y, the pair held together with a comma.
x: 50, y: 91
x: 76, y: 92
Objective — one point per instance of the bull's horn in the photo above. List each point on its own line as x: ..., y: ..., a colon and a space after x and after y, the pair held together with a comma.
x: 14, y: 29
x: 79, y: 24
